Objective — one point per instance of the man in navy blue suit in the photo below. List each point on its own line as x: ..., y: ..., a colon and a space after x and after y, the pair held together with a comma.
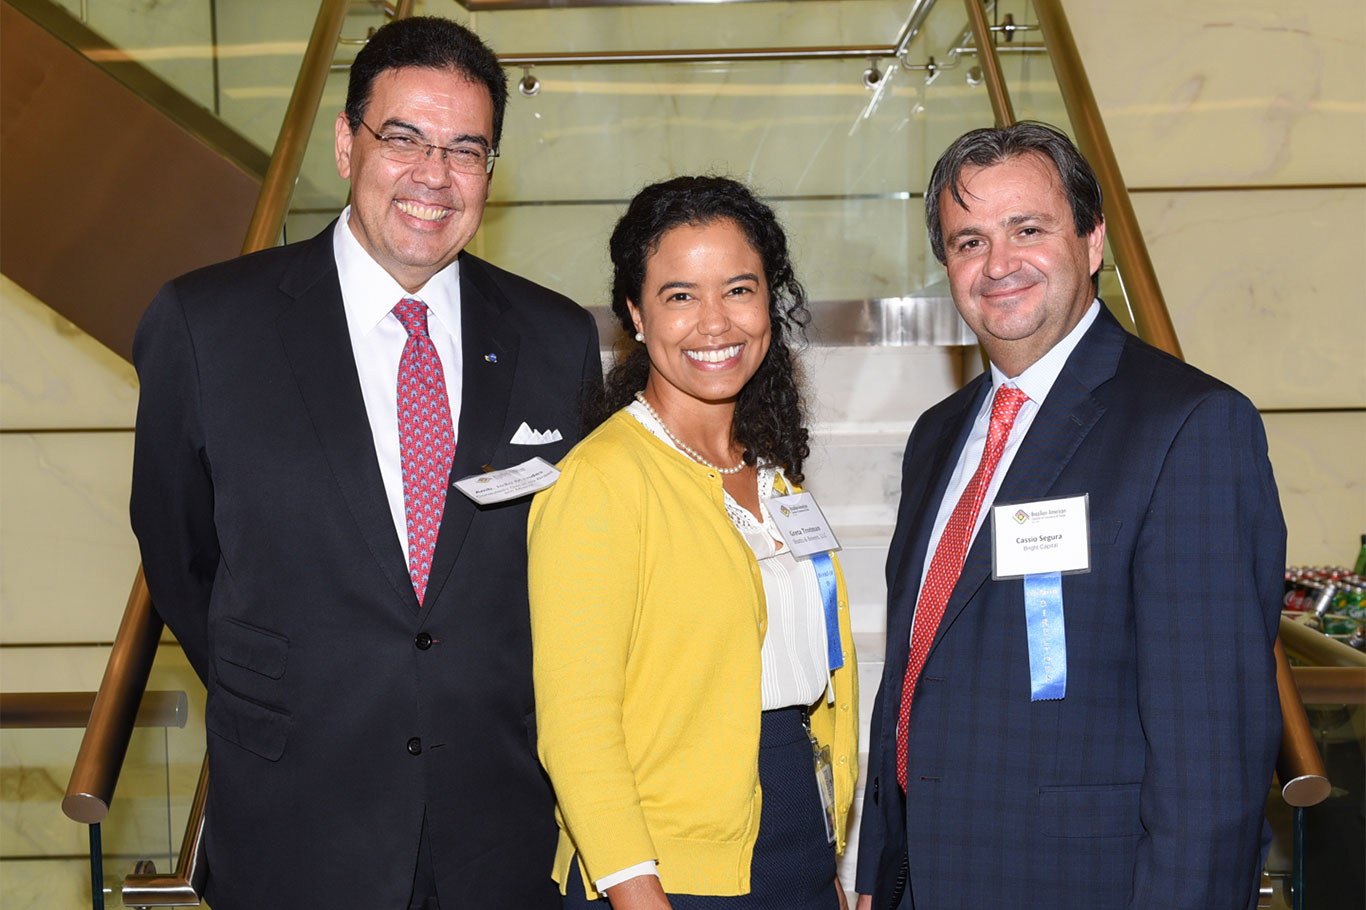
x: 1078, y: 707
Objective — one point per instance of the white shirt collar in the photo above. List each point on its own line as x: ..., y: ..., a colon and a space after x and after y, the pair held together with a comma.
x: 369, y: 293
x: 1037, y: 380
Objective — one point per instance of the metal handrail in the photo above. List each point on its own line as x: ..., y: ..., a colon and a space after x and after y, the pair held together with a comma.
x: 65, y: 710
x: 288, y: 156
x: 1151, y: 319
x: 1331, y: 685
x: 184, y: 886
x: 1304, y: 781
x: 1001, y: 107
x: 100, y: 759
x: 1313, y: 647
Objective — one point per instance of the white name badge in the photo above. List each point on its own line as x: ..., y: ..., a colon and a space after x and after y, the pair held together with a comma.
x: 802, y: 525
x: 529, y: 477
x: 1047, y: 535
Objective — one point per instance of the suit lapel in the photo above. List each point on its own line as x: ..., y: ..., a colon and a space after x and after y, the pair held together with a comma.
x: 315, y: 338
x: 489, y: 342
x: 1068, y: 414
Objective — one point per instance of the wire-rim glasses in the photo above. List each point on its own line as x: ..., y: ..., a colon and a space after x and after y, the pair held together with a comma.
x: 464, y: 158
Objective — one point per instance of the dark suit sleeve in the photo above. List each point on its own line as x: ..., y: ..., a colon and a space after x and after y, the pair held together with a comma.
x: 172, y: 495
x: 590, y: 396
x: 1206, y: 585
x: 872, y: 823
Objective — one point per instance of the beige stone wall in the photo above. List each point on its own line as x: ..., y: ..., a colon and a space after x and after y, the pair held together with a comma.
x: 1241, y: 132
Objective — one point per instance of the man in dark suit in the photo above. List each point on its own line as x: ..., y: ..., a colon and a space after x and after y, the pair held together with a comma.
x: 361, y: 627
x: 1079, y: 704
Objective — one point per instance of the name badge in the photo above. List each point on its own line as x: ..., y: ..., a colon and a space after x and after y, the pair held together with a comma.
x: 531, y: 476
x: 1040, y: 542
x: 1044, y: 536
x: 804, y: 528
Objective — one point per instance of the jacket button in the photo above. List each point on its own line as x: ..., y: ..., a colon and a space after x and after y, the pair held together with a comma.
x: 423, y: 641
x: 414, y: 746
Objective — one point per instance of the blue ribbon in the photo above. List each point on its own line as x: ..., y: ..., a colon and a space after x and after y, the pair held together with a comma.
x: 1047, y: 637
x: 825, y: 576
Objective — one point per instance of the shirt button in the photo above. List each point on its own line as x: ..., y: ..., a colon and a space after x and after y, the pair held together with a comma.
x: 843, y: 759
x: 844, y: 707
x: 423, y: 641
x: 415, y: 747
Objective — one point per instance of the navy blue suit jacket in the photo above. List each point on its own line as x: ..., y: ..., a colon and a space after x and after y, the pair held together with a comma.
x: 341, y: 712
x: 1144, y: 787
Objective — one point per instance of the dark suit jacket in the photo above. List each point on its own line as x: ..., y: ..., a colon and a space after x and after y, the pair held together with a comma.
x: 339, y: 709
x: 1145, y: 786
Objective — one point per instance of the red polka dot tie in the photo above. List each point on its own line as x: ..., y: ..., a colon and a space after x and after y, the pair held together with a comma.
x: 426, y: 440
x: 947, y: 563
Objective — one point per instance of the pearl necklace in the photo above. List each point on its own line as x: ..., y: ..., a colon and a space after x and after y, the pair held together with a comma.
x: 687, y: 449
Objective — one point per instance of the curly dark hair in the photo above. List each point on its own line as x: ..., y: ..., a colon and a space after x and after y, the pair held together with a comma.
x: 770, y: 416
x: 431, y: 42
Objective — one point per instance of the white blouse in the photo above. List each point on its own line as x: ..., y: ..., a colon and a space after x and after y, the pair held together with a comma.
x: 795, y: 662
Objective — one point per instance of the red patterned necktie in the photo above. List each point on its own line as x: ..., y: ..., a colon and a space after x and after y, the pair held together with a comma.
x: 426, y: 440
x: 948, y: 558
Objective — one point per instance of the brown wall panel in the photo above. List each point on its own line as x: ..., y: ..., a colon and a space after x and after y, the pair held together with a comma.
x: 102, y: 197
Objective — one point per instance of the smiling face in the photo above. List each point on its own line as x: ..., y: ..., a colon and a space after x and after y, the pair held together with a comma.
x: 414, y: 219
x: 704, y: 313
x: 1020, y: 275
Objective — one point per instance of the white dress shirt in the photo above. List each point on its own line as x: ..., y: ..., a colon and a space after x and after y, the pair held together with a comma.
x: 1036, y: 382
x: 369, y: 295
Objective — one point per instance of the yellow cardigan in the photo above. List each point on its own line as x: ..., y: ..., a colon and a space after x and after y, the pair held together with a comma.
x: 647, y: 614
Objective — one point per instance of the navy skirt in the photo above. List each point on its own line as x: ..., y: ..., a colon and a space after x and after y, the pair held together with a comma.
x: 793, y: 866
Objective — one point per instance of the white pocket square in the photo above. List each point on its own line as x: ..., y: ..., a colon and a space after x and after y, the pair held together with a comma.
x: 526, y: 436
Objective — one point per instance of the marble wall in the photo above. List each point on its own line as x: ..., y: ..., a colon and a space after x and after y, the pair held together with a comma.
x: 67, y: 558
x: 1241, y: 132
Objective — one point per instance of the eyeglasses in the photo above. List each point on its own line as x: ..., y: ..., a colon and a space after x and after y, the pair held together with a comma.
x: 465, y: 158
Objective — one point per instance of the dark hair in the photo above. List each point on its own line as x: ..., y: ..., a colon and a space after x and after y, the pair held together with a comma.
x: 426, y: 41
x: 770, y: 420
x: 989, y: 146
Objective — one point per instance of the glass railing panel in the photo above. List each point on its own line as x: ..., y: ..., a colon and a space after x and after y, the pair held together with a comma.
x: 174, y: 41
x: 843, y: 163
x: 152, y: 803
x: 1335, y: 834
x: 238, y: 61
x: 43, y: 855
x: 948, y: 101
x: 807, y: 135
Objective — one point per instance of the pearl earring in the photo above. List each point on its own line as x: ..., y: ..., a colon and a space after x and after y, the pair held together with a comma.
x: 640, y: 336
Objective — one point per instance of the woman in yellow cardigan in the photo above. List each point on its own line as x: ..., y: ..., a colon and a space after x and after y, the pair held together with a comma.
x: 696, y: 689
